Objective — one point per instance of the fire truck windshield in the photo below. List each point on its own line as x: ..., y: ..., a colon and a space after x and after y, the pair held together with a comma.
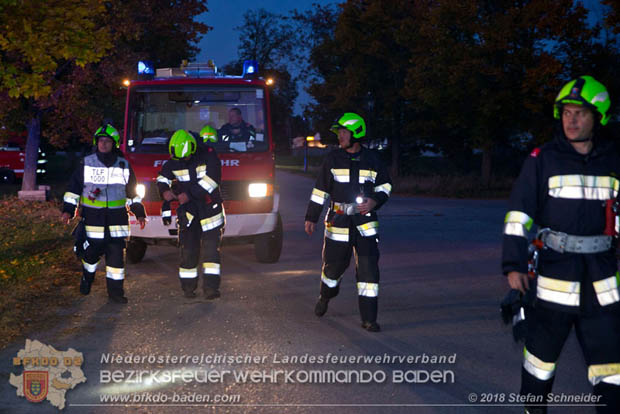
x: 235, y: 113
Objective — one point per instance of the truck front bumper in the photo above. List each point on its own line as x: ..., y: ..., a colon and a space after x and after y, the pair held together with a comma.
x: 237, y: 225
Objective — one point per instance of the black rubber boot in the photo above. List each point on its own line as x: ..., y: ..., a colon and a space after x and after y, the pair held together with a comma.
x: 321, y: 306
x: 211, y: 293
x: 371, y: 326
x: 85, y: 285
x: 118, y: 299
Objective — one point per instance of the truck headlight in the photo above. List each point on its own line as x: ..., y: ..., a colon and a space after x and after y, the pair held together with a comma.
x: 258, y: 190
x: 141, y: 190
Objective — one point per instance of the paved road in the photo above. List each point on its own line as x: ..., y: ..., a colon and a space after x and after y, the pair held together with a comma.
x: 440, y: 288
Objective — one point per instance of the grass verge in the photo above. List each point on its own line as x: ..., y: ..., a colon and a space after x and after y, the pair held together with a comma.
x: 39, y: 273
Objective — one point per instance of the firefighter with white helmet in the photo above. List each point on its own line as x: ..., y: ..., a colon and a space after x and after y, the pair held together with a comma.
x: 192, y: 177
x: 565, y: 188
x: 104, y: 186
x: 358, y: 184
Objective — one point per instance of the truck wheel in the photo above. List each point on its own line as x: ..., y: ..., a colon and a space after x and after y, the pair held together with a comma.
x: 136, y: 249
x: 7, y: 177
x: 267, y: 247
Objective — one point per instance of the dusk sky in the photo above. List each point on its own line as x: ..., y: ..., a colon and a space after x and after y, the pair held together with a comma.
x: 220, y: 44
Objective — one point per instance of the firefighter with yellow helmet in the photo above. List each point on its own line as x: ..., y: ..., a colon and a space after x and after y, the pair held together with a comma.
x: 356, y: 183
x: 104, y: 187
x: 566, y: 188
x: 192, y: 177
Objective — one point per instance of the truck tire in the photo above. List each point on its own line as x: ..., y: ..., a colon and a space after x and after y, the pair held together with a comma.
x: 136, y: 249
x: 267, y: 247
x: 7, y: 177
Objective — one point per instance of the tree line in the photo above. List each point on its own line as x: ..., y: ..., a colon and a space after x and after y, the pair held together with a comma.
x: 62, y: 62
x: 473, y: 80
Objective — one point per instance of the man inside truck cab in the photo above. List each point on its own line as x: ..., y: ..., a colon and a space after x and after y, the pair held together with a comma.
x: 240, y: 135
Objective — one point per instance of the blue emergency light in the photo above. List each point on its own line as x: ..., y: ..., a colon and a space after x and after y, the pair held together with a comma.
x: 145, y: 67
x: 250, y: 68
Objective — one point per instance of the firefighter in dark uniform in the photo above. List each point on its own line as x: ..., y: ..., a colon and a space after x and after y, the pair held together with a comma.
x: 192, y: 177
x: 237, y: 131
x: 104, y: 186
x: 565, y: 188
x: 358, y: 184
x: 208, y: 135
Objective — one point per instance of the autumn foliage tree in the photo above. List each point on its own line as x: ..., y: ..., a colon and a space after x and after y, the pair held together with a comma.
x: 461, y: 77
x: 269, y: 39
x: 164, y: 32
x: 39, y: 42
x: 62, y: 62
x: 362, y: 68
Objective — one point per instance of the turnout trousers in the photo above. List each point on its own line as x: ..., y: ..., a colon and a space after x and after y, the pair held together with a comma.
x: 200, y: 247
x: 113, y: 249
x: 336, y: 259
x: 599, y: 337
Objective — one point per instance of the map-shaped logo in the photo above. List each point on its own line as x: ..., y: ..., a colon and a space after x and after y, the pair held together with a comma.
x: 48, y: 373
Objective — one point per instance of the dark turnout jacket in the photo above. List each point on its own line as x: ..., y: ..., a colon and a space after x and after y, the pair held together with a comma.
x: 342, y: 178
x: 199, y: 177
x: 565, y: 191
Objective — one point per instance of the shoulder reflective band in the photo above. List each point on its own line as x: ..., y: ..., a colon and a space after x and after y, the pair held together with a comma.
x: 182, y: 175
x: 105, y: 176
x: 95, y: 232
x: 119, y: 231
x: 558, y: 291
x: 370, y: 290
x: 211, y: 268
x: 517, y: 223
x: 340, y: 175
x: 609, y: 373
x: 207, y: 183
x: 583, y: 187
x: 386, y: 188
x: 212, y: 222
x: 318, y: 196
x: 114, y: 273
x: 71, y: 198
x: 368, y: 229
x: 201, y: 170
x: 332, y: 283
x: 103, y: 204
x: 367, y: 175
x: 188, y: 273
x: 164, y: 180
x: 91, y: 268
x: 542, y: 370
x: 607, y: 290
x: 337, y: 233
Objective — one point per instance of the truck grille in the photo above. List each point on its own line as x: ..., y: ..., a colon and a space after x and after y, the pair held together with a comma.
x: 234, y: 190
x: 152, y: 193
x: 230, y: 190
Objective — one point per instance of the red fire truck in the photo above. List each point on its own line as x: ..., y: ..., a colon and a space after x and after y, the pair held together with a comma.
x: 190, y: 97
x: 12, y: 156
